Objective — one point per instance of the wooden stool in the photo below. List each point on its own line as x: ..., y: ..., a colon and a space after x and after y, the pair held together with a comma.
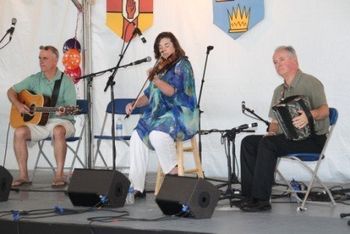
x: 180, y: 149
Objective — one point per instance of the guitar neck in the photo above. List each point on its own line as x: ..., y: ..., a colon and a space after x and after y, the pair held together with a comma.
x: 46, y: 109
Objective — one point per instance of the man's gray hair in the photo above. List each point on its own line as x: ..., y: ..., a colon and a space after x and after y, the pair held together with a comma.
x: 289, y: 49
x: 50, y: 48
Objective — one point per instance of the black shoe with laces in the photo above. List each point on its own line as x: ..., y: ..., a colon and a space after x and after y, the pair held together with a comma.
x: 139, y: 195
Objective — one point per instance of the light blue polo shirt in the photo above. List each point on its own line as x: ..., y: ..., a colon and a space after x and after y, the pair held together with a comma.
x: 39, y: 84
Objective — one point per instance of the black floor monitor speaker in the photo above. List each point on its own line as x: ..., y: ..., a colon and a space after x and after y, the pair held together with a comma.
x: 5, y: 184
x: 87, y: 187
x: 187, y: 197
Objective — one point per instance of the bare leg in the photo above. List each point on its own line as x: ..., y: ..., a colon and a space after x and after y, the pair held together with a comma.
x: 21, y: 136
x: 60, y: 149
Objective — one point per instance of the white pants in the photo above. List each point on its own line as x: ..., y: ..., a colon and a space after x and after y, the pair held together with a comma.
x: 139, y: 154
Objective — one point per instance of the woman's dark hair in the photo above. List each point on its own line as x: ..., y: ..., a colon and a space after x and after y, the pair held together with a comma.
x: 179, y: 52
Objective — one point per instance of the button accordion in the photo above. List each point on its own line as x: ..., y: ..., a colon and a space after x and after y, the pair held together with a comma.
x: 289, y: 108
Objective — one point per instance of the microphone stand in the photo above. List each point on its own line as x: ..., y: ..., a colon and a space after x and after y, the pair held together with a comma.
x: 92, y: 75
x: 198, y: 103
x: 110, y: 83
x: 255, y: 116
x: 4, y: 38
x: 230, y: 136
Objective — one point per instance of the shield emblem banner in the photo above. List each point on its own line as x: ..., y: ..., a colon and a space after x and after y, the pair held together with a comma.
x: 122, y: 16
x: 236, y: 17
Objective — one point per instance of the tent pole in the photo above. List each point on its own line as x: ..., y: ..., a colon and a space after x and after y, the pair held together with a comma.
x: 88, y: 91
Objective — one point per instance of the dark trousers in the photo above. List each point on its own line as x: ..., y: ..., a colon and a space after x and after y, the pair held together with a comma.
x: 259, y: 156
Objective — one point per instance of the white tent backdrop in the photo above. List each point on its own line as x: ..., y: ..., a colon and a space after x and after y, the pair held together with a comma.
x: 237, y: 70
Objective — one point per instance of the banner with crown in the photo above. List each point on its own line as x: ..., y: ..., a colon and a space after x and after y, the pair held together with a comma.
x: 123, y: 16
x: 236, y: 17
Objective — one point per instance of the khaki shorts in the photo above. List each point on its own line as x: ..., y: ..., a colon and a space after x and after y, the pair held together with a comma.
x: 38, y: 133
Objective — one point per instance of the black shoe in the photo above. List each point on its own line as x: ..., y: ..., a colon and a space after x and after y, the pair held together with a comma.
x: 256, y: 206
x: 240, y: 203
x: 138, y: 194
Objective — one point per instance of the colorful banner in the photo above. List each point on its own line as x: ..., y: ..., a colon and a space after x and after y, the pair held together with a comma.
x: 123, y: 16
x: 236, y: 17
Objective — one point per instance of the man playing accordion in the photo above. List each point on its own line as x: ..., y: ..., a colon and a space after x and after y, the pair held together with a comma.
x: 259, y: 153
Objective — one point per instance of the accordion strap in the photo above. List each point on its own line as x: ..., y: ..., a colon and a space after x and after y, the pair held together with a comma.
x: 308, y: 115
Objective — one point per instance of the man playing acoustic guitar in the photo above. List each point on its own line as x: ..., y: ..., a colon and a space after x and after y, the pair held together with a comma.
x: 52, y: 83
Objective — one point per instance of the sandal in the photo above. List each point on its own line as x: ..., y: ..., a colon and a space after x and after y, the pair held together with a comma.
x: 58, y: 182
x: 20, y: 182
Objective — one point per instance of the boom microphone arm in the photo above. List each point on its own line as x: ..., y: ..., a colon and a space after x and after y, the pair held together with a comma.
x: 252, y: 112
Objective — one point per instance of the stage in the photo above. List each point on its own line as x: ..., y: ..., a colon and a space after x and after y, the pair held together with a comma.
x: 38, y: 201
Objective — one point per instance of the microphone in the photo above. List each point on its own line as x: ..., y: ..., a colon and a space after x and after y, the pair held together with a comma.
x: 138, y: 32
x: 245, y: 126
x: 12, y: 29
x: 147, y: 59
x: 243, y: 106
x: 209, y: 48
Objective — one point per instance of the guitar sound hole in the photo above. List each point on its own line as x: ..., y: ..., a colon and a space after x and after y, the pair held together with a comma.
x: 27, y: 117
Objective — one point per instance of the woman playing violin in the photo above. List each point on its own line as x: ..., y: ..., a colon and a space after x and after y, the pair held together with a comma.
x: 171, y: 111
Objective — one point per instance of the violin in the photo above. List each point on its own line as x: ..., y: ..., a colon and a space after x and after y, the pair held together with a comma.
x: 161, y: 66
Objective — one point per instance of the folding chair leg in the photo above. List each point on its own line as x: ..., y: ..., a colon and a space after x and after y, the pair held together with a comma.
x: 98, y: 153
x: 41, y: 153
x: 313, y: 179
x: 75, y: 157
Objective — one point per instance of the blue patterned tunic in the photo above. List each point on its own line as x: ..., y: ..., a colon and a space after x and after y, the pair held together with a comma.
x: 176, y: 115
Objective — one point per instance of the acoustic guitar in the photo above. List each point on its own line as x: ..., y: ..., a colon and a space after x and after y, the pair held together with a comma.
x: 39, y: 110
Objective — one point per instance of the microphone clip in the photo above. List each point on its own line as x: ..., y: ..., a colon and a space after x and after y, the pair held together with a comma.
x: 209, y: 48
x: 230, y: 134
x: 138, y: 32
